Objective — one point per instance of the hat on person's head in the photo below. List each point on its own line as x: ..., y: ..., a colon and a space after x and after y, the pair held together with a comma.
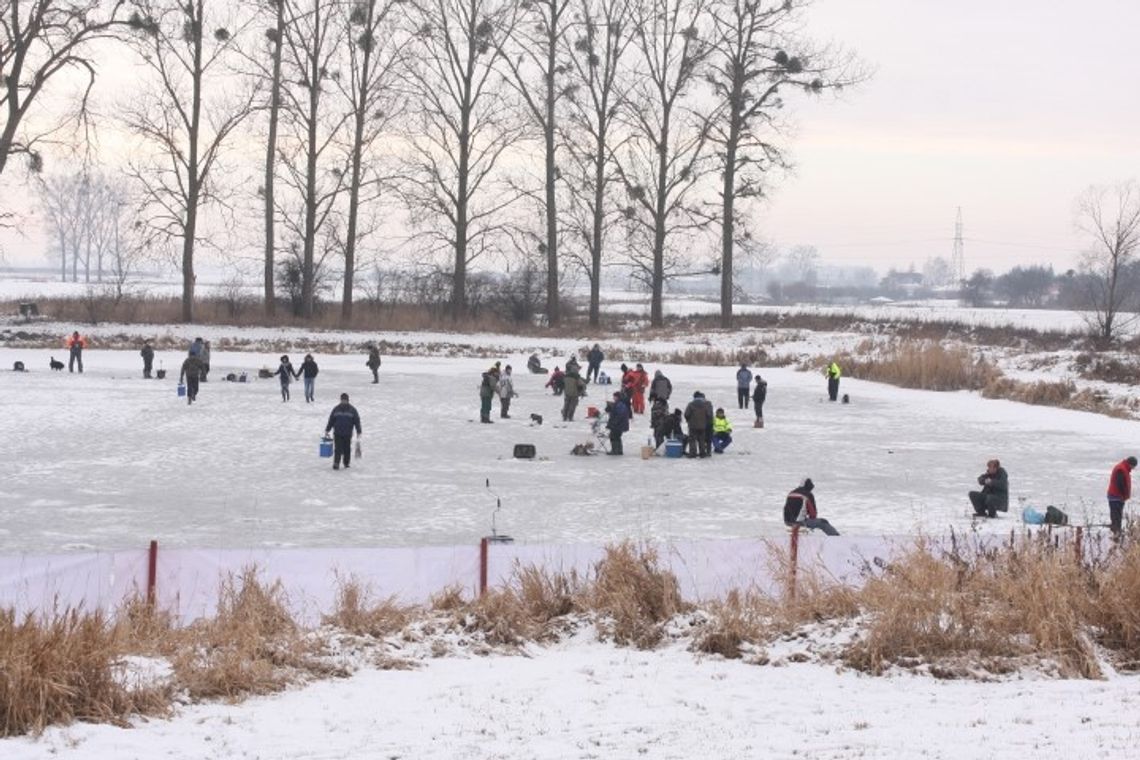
x: 344, y: 397
x: 639, y: 366
x: 808, y: 485
x: 284, y: 357
x: 1131, y: 461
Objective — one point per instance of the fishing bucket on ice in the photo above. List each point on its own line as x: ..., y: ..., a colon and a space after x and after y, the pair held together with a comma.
x: 181, y: 390
x: 591, y: 411
x: 326, y: 447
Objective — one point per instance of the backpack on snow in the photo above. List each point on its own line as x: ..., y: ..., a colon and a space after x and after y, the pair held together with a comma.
x: 1054, y: 516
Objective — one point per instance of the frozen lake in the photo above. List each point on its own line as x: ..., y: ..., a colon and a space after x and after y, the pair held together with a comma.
x: 107, y: 460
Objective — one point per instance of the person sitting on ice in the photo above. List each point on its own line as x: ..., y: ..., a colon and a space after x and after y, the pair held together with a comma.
x: 603, y: 379
x: 670, y: 429
x: 534, y: 364
x: 722, y: 432
x: 557, y: 381
x: 800, y: 509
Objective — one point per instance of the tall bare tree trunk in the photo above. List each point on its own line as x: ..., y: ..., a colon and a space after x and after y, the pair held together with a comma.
x: 271, y: 162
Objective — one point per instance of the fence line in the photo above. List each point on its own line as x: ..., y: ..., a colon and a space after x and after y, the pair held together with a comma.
x: 185, y: 582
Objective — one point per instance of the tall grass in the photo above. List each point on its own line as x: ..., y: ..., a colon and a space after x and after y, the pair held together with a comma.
x: 922, y: 365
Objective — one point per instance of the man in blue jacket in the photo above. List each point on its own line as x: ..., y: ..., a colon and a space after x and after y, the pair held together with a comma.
x: 343, y: 420
x: 618, y: 423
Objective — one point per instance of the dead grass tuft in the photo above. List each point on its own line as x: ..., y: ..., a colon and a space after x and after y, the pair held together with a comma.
x: 743, y: 617
x: 922, y: 365
x: 358, y: 613
x: 1060, y: 393
x: 633, y: 595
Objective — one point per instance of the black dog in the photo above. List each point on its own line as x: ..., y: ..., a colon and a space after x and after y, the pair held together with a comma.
x: 18, y: 367
x: 57, y: 366
x: 536, y: 419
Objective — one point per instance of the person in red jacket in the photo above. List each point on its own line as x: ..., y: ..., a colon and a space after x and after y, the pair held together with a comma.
x: 640, y: 381
x: 75, y: 346
x: 1119, y: 491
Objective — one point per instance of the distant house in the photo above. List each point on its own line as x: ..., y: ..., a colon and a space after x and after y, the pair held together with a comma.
x: 906, y: 283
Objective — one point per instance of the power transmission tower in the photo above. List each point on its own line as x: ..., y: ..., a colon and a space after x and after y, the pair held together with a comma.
x: 958, y: 260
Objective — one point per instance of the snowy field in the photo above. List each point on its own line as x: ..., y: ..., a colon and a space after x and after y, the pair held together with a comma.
x: 108, y: 460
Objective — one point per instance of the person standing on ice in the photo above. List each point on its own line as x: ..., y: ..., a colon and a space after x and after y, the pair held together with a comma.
x: 75, y: 345
x: 287, y: 375
x: 800, y: 509
x: 342, y: 421
x: 1119, y: 491
x: 487, y: 393
x: 506, y: 390
x: 759, y: 396
x: 743, y: 385
x: 640, y: 383
x: 190, y: 375
x: 573, y: 388
x: 309, y: 370
x: 618, y: 423
x: 833, y: 375
x: 594, y: 361
x: 660, y: 388
x: 147, y: 354
x: 994, y: 496
x: 196, y: 347
x: 204, y: 355
x: 373, y: 362
x: 698, y: 414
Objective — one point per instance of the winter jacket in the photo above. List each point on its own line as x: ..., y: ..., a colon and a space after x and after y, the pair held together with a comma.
x: 556, y: 378
x: 285, y: 372
x: 660, y: 387
x: 573, y: 385
x: 373, y: 359
x: 1120, y: 482
x: 658, y: 413
x: 506, y: 387
x: 833, y: 372
x: 76, y: 344
x: 996, y: 491
x: 572, y: 365
x: 619, y: 417
x: 670, y: 427
x: 760, y: 392
x: 343, y: 420
x: 490, y: 383
x: 799, y: 506
x: 196, y: 348
x: 309, y: 368
x: 743, y: 377
x: 192, y: 367
x: 698, y: 414
x: 721, y: 425
x: 204, y: 355
x: 595, y: 357
x: 147, y: 354
x: 640, y: 381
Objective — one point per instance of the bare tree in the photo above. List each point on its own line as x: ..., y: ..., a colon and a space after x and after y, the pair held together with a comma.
x: 463, y: 127
x: 665, y: 157
x: 43, y: 42
x: 82, y: 212
x: 602, y: 33
x: 533, y: 59
x: 374, y: 62
x: 270, y: 74
x: 187, y: 118
x: 759, y: 52
x: 1110, y: 217
x: 314, y: 167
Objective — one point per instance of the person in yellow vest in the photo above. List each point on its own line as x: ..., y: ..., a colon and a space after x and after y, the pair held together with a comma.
x: 833, y: 374
x: 722, y: 432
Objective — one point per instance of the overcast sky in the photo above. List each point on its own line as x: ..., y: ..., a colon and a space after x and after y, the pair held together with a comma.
x: 1007, y: 108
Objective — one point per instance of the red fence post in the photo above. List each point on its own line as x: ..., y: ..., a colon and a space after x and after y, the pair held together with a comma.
x: 151, y: 573
x: 482, y: 566
x: 793, y: 560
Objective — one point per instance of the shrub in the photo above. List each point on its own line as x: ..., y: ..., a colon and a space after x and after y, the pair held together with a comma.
x: 634, y: 595
x: 358, y: 613
x: 922, y: 365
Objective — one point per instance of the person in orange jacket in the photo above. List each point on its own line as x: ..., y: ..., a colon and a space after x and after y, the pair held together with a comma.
x: 640, y: 382
x: 1119, y: 491
x: 75, y: 345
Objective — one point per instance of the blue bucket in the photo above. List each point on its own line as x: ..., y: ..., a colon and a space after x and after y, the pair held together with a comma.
x: 674, y: 449
x: 326, y: 448
x: 181, y: 390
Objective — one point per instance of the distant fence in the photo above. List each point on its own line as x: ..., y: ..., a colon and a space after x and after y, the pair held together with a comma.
x: 186, y: 581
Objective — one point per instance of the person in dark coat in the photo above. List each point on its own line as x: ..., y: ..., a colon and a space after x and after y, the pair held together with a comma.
x: 147, y: 354
x: 743, y: 383
x: 759, y: 396
x: 190, y: 375
x: 660, y: 388
x: 534, y: 364
x: 487, y: 390
x: 204, y: 355
x: 309, y: 370
x: 594, y: 361
x: 1119, y: 491
x: 373, y: 362
x: 994, y: 496
x: 800, y: 509
x: 698, y: 414
x: 670, y: 429
x: 573, y: 388
x: 286, y: 374
x: 617, y: 423
x: 343, y: 420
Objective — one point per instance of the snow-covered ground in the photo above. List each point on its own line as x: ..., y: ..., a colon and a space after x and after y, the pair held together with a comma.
x: 108, y: 460
x: 582, y: 699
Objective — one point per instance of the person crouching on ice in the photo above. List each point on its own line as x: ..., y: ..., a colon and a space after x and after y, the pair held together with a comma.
x: 722, y: 432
